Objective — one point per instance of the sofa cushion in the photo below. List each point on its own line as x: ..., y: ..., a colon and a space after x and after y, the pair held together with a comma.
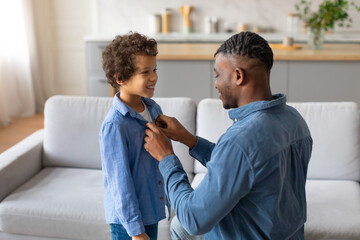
x: 333, y: 210
x: 71, y: 130
x: 211, y: 122
x: 72, y: 124
x: 184, y: 109
x: 334, y: 128
x: 197, y: 179
x: 57, y: 202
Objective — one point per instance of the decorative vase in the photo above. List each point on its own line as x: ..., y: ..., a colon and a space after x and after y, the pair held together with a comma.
x: 315, y: 38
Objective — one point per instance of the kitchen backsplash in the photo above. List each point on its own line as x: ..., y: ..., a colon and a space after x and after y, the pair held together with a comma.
x: 121, y: 16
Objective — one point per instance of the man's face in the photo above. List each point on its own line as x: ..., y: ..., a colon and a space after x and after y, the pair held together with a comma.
x: 225, y: 80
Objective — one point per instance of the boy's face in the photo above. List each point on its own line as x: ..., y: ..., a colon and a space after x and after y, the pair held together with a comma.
x: 142, y: 82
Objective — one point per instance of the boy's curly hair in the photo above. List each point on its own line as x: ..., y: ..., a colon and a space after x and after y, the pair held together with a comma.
x: 118, y: 56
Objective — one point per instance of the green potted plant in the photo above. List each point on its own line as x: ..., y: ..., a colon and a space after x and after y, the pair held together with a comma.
x: 329, y: 13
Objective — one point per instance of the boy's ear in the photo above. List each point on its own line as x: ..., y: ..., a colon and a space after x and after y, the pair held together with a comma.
x: 119, y: 81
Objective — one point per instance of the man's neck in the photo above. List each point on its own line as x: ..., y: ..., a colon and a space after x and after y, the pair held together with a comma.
x: 254, y: 96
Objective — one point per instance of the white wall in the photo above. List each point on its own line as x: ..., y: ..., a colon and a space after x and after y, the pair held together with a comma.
x: 62, y: 24
x: 120, y: 16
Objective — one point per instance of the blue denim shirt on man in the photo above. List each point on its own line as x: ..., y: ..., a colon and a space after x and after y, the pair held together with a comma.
x: 133, y: 186
x: 255, y: 184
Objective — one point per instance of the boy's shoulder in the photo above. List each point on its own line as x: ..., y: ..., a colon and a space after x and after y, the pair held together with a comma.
x: 114, y: 117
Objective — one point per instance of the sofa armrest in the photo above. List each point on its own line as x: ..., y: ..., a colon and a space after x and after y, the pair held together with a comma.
x: 20, y: 162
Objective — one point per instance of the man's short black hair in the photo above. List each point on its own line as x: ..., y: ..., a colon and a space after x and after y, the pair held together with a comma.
x: 248, y: 44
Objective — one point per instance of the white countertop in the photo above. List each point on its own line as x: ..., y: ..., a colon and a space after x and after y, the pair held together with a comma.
x: 345, y: 37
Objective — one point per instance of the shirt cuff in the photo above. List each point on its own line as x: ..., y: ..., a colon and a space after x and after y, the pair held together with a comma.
x: 198, y: 150
x: 168, y: 163
x: 134, y: 228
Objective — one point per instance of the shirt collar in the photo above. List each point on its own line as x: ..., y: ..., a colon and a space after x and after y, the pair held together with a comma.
x: 125, y: 109
x: 239, y: 113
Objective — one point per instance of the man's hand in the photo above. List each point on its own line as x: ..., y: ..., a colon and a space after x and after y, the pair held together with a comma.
x: 174, y: 130
x: 156, y: 143
x: 142, y: 236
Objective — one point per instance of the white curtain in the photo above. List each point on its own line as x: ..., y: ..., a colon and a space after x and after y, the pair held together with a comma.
x: 18, y: 62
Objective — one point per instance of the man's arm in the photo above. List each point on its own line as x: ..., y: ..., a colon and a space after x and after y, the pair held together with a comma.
x: 229, y: 178
x: 199, y: 148
x: 174, y: 130
x: 202, y: 150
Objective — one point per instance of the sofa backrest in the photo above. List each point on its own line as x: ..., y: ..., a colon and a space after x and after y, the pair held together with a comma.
x: 334, y: 128
x: 72, y: 124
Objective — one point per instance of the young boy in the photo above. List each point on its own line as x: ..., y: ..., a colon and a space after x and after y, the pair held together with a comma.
x: 133, y: 186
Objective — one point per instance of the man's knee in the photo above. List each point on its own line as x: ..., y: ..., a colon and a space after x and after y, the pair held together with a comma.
x: 178, y: 232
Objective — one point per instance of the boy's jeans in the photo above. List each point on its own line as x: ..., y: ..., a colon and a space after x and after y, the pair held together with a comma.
x: 179, y: 232
x: 118, y: 232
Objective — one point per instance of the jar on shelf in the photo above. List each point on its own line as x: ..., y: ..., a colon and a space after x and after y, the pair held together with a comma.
x: 166, y: 20
x: 292, y: 24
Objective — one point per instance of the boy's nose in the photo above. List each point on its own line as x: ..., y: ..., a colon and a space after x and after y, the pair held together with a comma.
x: 154, y: 77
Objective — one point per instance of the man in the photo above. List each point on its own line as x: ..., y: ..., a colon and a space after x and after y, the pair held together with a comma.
x: 255, y: 184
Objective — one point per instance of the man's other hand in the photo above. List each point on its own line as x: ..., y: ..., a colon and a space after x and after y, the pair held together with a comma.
x: 174, y: 130
x: 157, y: 143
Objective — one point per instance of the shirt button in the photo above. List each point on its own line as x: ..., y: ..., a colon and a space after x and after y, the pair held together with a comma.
x: 159, y: 182
x: 235, y: 119
x: 161, y: 198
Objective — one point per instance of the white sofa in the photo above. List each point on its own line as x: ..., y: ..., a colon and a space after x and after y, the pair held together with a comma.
x: 51, y: 182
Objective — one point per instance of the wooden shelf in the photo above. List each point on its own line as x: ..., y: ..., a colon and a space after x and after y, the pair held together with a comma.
x: 203, y: 51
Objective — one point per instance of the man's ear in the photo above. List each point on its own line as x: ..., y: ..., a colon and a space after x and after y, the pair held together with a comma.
x: 240, y: 75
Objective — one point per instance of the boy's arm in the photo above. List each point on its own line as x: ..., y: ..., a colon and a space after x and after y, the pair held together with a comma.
x: 116, y: 171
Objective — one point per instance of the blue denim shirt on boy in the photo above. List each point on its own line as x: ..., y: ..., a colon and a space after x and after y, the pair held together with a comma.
x: 255, y: 184
x: 133, y: 186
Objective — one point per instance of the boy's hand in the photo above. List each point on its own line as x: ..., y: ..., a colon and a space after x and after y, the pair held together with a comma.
x: 174, y: 130
x: 142, y: 236
x: 156, y: 143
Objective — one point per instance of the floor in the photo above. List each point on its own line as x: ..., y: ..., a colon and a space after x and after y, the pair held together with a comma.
x: 19, y: 129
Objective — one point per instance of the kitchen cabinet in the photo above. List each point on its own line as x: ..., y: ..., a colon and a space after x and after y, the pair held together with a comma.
x: 187, y: 71
x: 181, y: 78
x: 313, y: 81
x: 96, y: 81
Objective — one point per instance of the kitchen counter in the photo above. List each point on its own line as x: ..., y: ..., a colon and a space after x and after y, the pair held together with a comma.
x: 205, y: 51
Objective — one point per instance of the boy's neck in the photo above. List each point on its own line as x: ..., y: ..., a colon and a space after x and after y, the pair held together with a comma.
x: 135, y: 102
